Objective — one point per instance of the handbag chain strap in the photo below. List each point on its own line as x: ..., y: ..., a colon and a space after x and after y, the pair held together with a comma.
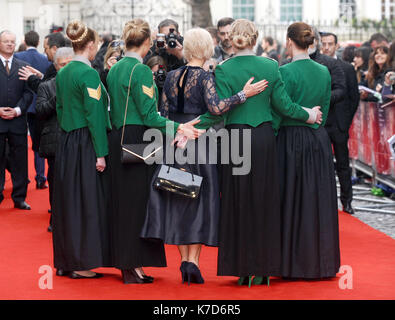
x: 127, y: 103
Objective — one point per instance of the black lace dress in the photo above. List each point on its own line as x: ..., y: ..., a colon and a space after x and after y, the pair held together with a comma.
x: 188, y: 93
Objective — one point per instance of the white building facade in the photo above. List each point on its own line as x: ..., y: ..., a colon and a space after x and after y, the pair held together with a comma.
x: 270, y: 11
x: 21, y: 16
x: 111, y: 15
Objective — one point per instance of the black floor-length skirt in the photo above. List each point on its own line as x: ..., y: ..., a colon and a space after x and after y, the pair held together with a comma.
x: 178, y: 220
x: 249, y: 234
x: 129, y: 192
x: 81, y: 233
x: 309, y: 213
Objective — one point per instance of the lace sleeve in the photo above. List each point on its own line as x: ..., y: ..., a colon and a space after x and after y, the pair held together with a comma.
x: 164, y: 107
x: 213, y: 102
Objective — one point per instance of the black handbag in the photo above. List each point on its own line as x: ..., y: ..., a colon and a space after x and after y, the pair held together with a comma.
x: 178, y: 181
x: 134, y: 153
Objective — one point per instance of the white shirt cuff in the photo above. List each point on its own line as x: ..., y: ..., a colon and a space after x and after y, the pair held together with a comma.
x: 312, y: 116
x: 18, y: 111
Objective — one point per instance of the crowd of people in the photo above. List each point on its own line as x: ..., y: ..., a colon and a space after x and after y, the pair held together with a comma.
x: 81, y: 104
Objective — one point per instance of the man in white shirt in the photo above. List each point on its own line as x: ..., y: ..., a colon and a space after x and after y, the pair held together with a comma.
x: 15, y: 98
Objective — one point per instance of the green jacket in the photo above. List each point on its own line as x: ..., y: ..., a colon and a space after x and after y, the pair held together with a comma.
x: 232, y: 75
x: 307, y: 83
x: 142, y: 105
x: 82, y: 101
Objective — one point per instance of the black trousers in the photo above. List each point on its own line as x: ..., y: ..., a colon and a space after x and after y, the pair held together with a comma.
x: 339, y: 140
x: 16, y: 163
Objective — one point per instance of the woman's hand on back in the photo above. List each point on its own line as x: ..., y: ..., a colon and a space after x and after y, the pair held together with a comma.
x: 251, y: 90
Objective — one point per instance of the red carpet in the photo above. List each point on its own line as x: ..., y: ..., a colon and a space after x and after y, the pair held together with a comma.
x: 25, y: 246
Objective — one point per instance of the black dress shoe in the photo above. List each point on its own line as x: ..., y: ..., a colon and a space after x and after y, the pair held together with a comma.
x: 348, y: 209
x: 148, y: 277
x: 22, y: 205
x: 74, y: 275
x: 131, y: 276
x: 50, y: 229
x: 62, y: 273
x: 41, y: 185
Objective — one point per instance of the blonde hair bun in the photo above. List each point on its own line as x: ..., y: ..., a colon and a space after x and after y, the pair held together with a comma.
x: 75, y: 31
x: 136, y: 32
x: 243, y: 34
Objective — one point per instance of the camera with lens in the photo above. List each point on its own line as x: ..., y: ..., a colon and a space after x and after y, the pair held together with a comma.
x: 160, y: 76
x: 172, y: 38
x: 160, y: 41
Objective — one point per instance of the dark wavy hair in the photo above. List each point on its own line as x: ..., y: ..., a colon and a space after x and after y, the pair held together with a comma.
x: 374, y: 68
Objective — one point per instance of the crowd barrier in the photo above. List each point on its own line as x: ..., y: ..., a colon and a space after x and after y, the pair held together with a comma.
x: 371, y: 129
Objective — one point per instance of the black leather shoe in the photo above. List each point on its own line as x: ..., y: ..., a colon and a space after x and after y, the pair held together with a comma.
x: 148, y: 278
x: 62, y: 273
x: 22, y: 205
x: 74, y: 275
x: 50, y: 229
x: 131, y: 276
x: 41, y: 185
x: 348, y: 209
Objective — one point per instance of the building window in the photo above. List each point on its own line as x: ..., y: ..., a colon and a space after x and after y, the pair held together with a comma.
x: 29, y: 25
x: 291, y: 10
x: 388, y: 9
x: 348, y: 9
x: 244, y: 9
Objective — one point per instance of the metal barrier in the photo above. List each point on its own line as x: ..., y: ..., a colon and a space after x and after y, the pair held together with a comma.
x: 369, y: 134
x: 370, y: 152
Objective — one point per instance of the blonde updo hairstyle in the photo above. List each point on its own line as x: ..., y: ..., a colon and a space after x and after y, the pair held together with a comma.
x: 135, y: 33
x: 243, y: 34
x: 80, y: 35
x: 198, y: 44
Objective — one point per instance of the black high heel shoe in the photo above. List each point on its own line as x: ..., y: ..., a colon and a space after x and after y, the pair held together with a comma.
x: 193, y: 273
x: 131, y: 276
x: 183, y: 269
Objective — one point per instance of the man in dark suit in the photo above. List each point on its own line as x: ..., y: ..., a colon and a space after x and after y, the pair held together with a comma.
x: 15, y: 98
x: 41, y: 63
x: 339, y: 121
x: 34, y: 77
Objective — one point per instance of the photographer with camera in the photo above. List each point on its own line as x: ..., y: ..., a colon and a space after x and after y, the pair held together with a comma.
x: 158, y: 68
x: 168, y: 45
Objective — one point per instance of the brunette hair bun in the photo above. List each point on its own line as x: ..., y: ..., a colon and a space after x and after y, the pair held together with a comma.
x: 136, y: 32
x: 302, y: 34
x: 243, y: 34
x: 80, y: 35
